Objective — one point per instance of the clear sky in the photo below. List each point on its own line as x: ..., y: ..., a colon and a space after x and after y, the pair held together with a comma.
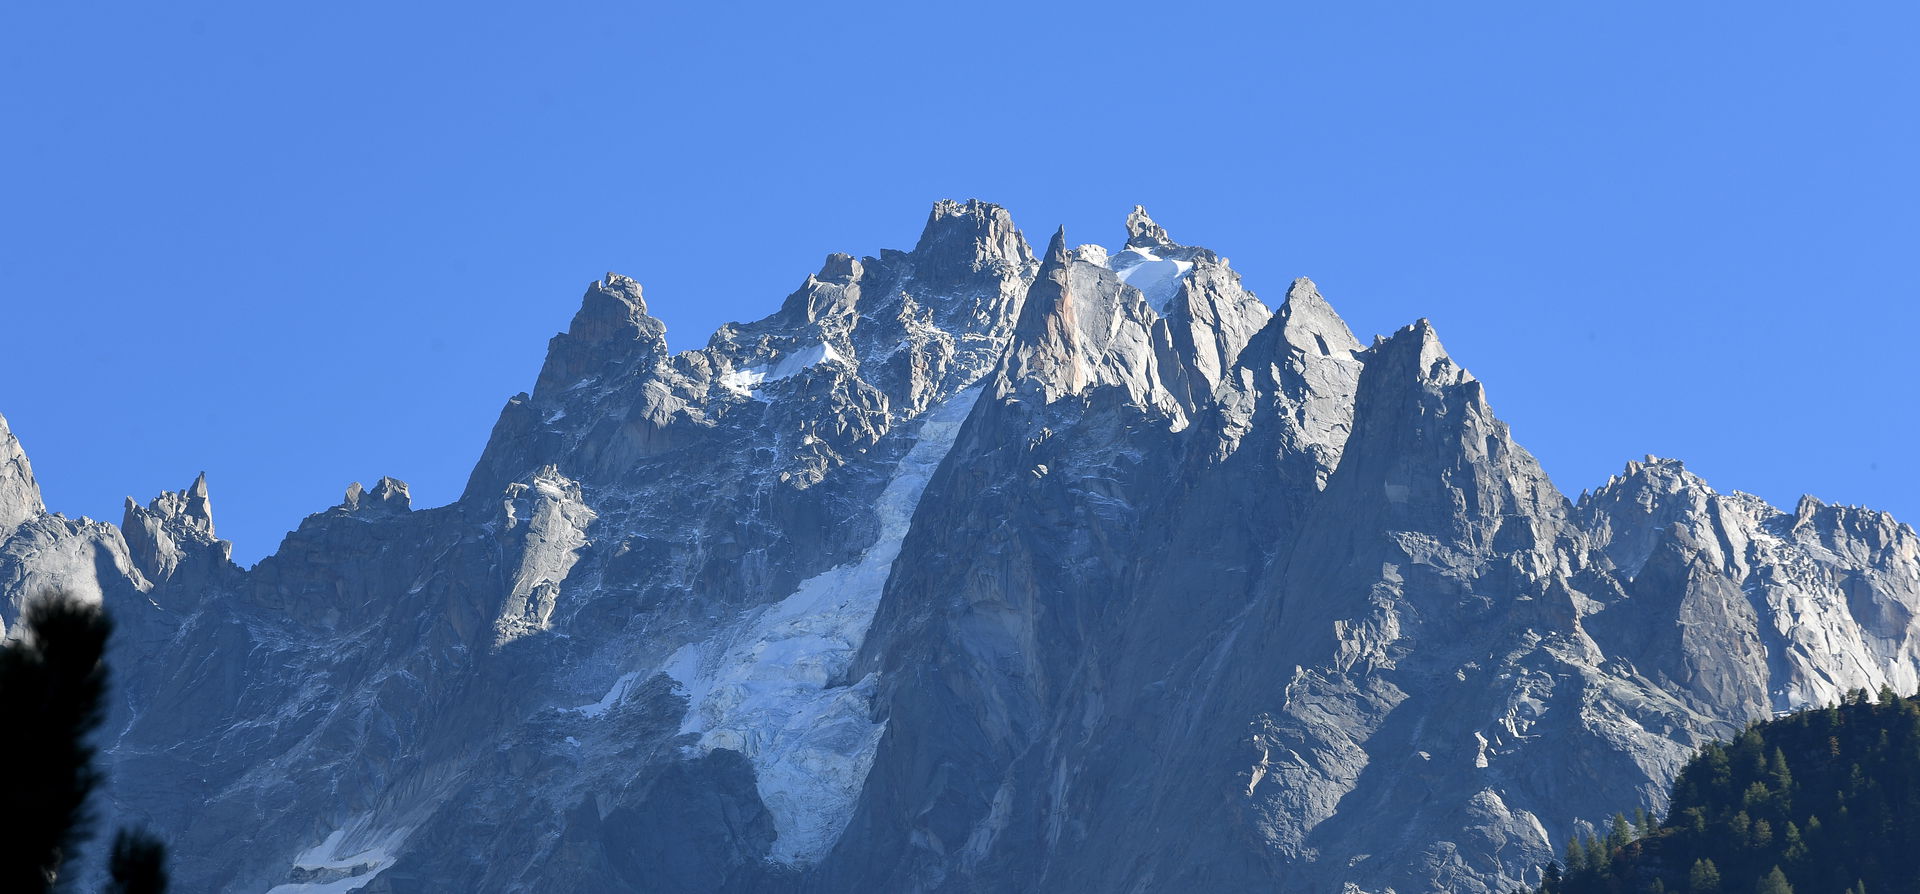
x: 297, y: 245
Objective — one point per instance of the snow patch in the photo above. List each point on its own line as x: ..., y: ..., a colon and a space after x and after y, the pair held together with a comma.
x: 807, y: 357
x: 614, y: 696
x: 748, y: 380
x: 1157, y: 279
x: 762, y: 687
x: 327, y: 870
x: 743, y: 381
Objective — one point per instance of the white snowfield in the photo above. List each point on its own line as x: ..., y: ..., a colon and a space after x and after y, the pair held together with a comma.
x: 1157, y: 279
x: 749, y: 380
x: 762, y: 687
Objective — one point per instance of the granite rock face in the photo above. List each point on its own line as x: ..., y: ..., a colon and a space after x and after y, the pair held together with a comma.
x: 173, y: 536
x: 966, y: 569
x: 19, y: 493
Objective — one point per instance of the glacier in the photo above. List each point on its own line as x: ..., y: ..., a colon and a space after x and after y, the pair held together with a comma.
x: 770, y: 689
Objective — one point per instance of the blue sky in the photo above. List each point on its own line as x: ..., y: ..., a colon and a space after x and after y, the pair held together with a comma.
x: 299, y: 246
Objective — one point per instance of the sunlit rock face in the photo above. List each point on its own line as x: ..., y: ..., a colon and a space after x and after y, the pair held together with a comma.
x: 969, y: 568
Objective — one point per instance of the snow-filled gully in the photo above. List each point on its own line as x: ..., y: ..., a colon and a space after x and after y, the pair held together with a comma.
x: 761, y: 688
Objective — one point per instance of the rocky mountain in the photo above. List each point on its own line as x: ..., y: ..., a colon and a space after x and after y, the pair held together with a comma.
x: 965, y: 570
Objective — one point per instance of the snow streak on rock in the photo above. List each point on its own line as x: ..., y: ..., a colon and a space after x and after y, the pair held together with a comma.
x: 767, y: 688
x: 748, y: 381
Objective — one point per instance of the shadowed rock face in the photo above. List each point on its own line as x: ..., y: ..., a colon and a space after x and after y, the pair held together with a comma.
x: 964, y: 570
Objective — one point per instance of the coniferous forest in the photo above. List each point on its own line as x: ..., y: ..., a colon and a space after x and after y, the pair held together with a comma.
x: 1819, y: 802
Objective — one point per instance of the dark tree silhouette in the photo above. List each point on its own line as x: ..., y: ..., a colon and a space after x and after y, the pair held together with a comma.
x: 138, y: 865
x: 52, y: 685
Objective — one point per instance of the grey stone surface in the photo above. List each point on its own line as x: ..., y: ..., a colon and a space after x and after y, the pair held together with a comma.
x: 966, y: 569
x: 173, y: 533
x: 19, y: 493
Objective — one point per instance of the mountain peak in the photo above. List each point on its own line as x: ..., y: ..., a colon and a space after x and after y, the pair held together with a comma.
x: 170, y: 529
x: 613, y: 307
x: 1057, y: 254
x: 198, y: 509
x: 1081, y: 327
x: 1159, y: 267
x: 1304, y: 291
x: 392, y: 492
x: 19, y: 493
x: 832, y: 292
x: 1311, y: 323
x: 388, y: 496
x: 839, y: 268
x: 187, y: 507
x: 1417, y: 348
x: 969, y: 237
x: 611, y: 327
x: 1143, y: 233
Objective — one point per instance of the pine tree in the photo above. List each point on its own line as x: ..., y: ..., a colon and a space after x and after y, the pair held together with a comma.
x: 1576, y: 855
x: 1779, y: 778
x: 1704, y: 878
x: 1775, y: 882
x: 1599, y: 858
x: 1792, y: 845
x: 1621, y: 832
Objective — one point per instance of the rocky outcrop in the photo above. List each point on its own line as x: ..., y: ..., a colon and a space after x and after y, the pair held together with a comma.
x: 42, y: 552
x: 965, y: 569
x: 1082, y: 328
x: 173, y: 535
x: 1207, y: 324
x: 962, y: 241
x: 545, y: 522
x: 1740, y: 603
x: 19, y: 493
